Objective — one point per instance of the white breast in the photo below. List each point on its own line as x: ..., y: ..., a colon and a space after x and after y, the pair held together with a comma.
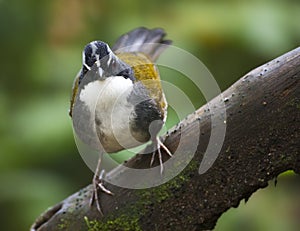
x: 107, y: 91
x: 107, y: 103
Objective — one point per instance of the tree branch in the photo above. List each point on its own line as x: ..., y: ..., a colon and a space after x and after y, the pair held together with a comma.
x: 261, y: 142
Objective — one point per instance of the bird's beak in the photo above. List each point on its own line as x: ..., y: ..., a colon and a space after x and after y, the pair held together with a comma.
x: 99, y: 70
x: 108, y: 66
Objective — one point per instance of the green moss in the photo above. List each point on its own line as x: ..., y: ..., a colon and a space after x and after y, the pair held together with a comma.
x: 130, y: 221
x: 165, y: 191
x: 63, y: 224
x: 123, y: 222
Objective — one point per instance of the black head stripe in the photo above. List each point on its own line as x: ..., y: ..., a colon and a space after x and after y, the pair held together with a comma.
x: 94, y: 51
x: 108, y: 64
x: 101, y: 48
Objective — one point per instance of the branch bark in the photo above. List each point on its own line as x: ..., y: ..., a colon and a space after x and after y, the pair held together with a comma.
x: 261, y: 142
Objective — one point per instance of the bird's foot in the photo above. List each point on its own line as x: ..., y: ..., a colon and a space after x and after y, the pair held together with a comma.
x: 98, y: 183
x: 159, y: 144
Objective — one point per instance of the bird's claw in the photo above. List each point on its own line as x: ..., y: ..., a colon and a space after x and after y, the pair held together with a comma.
x: 98, y: 183
x: 160, y: 144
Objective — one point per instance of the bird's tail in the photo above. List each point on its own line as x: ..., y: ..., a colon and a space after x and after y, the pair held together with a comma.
x: 148, y: 41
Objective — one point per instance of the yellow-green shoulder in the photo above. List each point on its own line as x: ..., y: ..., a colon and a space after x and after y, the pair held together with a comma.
x: 147, y: 72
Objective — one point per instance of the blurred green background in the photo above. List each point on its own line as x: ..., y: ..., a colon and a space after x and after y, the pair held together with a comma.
x: 41, y: 44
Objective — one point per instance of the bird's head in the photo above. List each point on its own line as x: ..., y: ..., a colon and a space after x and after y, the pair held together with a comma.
x: 98, y: 63
x: 101, y: 62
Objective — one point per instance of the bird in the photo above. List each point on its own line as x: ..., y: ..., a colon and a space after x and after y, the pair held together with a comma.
x: 117, y: 100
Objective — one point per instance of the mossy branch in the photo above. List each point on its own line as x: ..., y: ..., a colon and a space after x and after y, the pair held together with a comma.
x: 262, y: 141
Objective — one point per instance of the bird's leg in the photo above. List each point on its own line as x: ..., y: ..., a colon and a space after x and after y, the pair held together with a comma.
x: 101, y: 184
x: 157, y: 142
x: 98, y: 183
x: 95, y: 186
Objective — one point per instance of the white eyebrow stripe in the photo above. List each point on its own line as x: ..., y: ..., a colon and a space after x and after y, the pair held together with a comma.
x: 87, y: 67
x: 83, y: 58
x: 94, y: 47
